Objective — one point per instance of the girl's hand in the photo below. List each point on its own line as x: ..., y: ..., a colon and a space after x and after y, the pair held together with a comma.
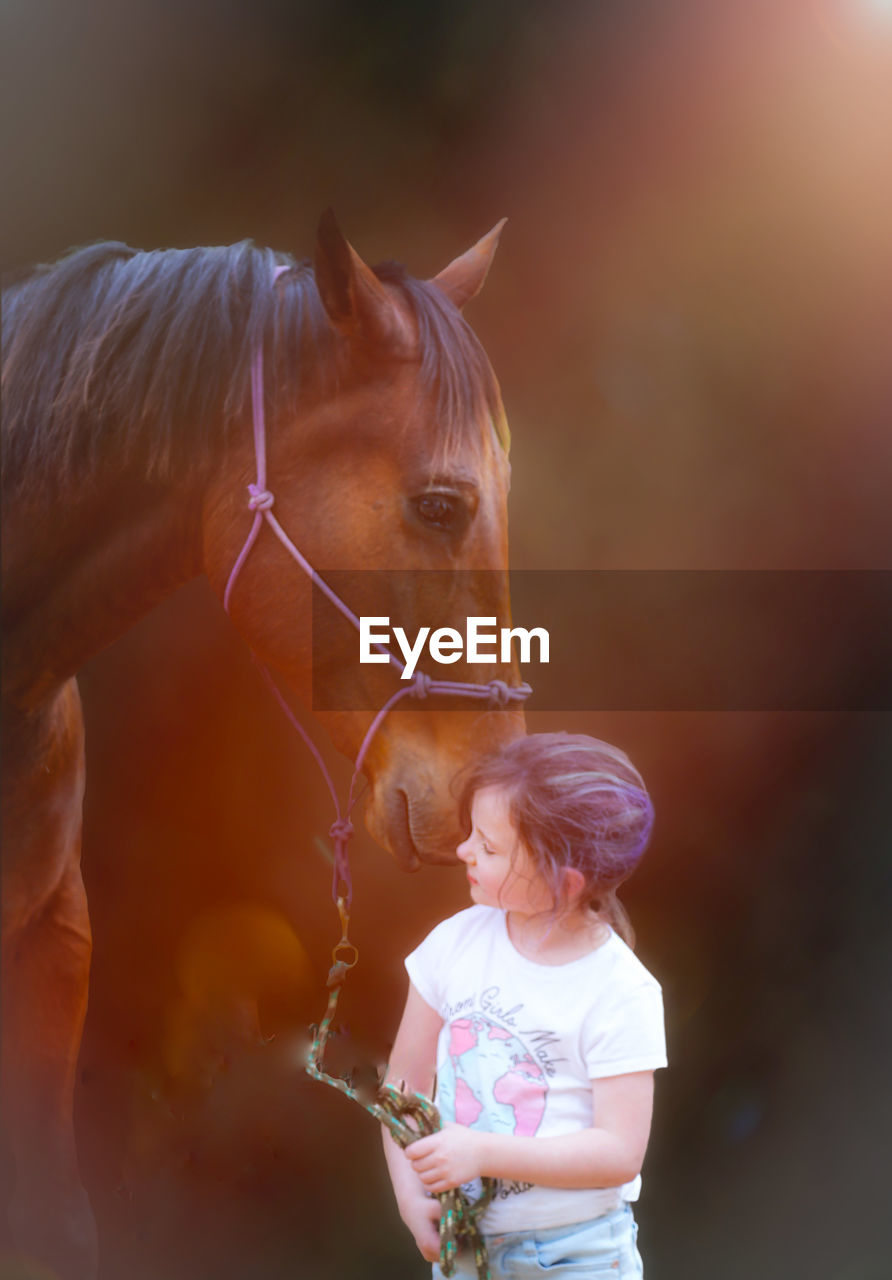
x: 448, y: 1157
x: 422, y: 1216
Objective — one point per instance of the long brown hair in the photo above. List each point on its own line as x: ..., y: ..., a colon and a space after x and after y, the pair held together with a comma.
x: 575, y: 802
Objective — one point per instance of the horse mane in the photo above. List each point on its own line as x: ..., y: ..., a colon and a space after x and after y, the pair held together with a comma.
x: 113, y: 356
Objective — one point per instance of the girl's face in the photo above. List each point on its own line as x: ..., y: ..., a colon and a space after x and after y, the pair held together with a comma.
x: 501, y: 872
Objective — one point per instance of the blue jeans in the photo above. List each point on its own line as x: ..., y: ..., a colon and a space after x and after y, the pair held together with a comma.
x: 596, y: 1250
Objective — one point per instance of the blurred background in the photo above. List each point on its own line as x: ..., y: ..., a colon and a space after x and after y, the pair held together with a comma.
x: 690, y: 315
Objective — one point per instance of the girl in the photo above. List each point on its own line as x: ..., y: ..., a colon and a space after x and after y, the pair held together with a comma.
x: 542, y: 1026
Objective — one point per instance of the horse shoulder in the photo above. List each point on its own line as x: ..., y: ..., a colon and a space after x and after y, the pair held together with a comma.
x: 43, y: 788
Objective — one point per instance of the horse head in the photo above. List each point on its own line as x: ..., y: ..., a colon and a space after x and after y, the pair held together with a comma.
x: 388, y: 466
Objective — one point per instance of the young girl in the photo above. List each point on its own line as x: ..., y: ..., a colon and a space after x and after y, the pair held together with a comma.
x: 543, y: 1028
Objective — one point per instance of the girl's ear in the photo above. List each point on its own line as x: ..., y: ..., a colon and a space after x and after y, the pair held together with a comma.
x: 574, y: 884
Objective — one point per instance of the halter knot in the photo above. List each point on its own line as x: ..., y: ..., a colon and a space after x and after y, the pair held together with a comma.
x: 341, y: 829
x: 499, y: 693
x: 260, y: 499
x: 421, y: 684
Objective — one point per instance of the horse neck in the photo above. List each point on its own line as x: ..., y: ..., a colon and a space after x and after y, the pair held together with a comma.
x: 78, y: 575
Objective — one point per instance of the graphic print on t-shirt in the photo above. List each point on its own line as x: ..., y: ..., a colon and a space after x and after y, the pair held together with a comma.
x: 490, y: 1073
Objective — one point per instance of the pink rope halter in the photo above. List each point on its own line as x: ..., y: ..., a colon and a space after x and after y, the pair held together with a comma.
x: 261, y: 501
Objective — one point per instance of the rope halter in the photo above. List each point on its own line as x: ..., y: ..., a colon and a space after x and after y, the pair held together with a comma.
x: 495, y: 693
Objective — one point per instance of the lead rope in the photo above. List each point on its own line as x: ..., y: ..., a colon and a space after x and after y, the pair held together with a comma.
x: 408, y: 1116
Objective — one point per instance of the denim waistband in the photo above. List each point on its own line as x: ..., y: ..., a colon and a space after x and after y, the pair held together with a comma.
x: 620, y: 1214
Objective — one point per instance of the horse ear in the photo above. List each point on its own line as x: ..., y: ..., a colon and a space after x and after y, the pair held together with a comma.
x: 354, y: 298
x: 463, y: 279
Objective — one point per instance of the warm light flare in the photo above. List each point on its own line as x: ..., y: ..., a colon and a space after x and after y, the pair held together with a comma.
x: 854, y: 21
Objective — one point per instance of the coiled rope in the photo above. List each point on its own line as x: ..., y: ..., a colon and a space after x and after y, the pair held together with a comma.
x: 408, y: 1117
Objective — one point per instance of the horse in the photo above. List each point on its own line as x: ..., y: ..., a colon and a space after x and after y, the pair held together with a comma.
x: 127, y: 454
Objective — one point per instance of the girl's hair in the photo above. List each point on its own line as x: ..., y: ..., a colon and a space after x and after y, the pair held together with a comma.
x: 574, y: 802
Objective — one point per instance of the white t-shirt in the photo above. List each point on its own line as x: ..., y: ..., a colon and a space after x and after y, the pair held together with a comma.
x: 521, y: 1043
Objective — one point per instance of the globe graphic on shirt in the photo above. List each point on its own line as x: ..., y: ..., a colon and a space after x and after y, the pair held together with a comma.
x: 489, y: 1079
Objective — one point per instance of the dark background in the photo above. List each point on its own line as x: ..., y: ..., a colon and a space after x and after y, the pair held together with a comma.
x: 690, y: 317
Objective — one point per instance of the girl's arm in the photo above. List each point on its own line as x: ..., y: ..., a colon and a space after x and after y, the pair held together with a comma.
x: 413, y: 1062
x: 608, y: 1154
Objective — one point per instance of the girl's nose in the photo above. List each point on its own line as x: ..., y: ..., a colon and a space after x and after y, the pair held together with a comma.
x: 464, y: 850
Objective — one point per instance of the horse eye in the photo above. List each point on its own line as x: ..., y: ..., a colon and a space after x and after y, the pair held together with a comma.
x: 444, y: 511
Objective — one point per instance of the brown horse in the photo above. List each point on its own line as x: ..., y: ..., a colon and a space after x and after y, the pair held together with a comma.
x: 127, y: 452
